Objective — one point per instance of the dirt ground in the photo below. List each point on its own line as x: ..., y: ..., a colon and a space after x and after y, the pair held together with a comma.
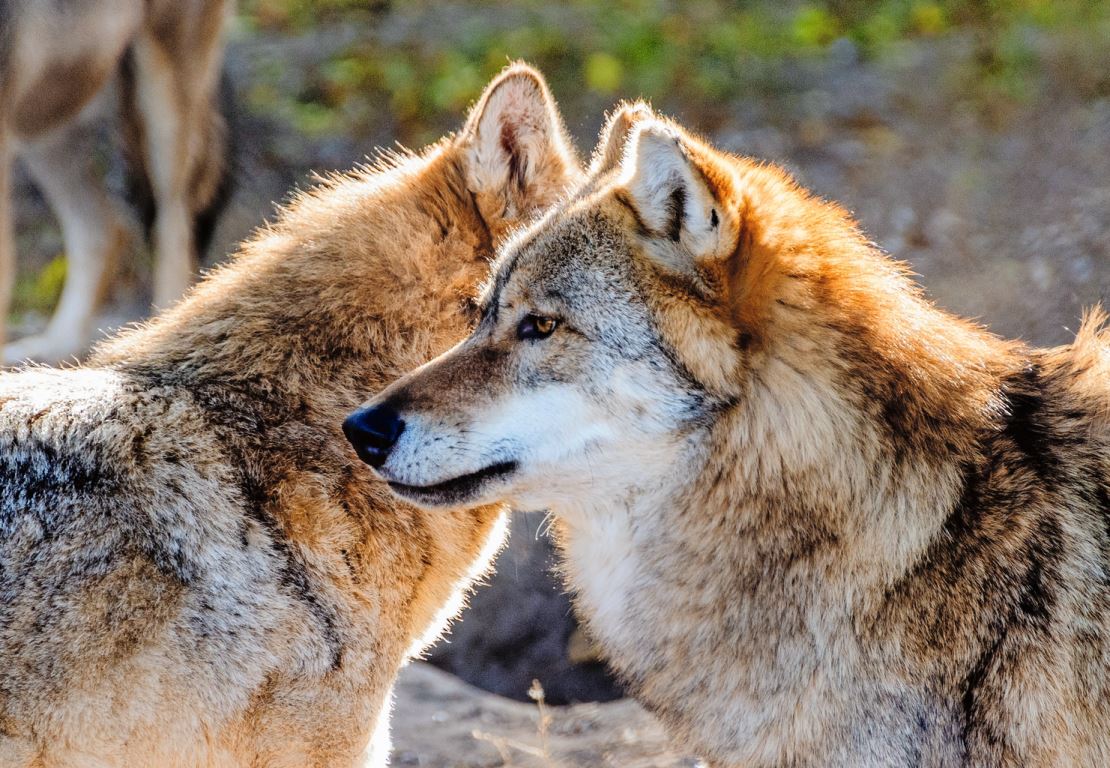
x: 441, y: 722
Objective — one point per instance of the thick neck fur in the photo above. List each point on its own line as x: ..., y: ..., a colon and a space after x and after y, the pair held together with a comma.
x: 758, y: 598
x: 356, y: 283
x: 735, y: 591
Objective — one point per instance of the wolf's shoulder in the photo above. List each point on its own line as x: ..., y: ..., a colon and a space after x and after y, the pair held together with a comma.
x: 53, y: 433
x: 122, y: 526
x: 91, y: 455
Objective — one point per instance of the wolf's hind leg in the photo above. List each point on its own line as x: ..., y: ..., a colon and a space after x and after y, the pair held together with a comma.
x: 177, y: 69
x: 63, y: 167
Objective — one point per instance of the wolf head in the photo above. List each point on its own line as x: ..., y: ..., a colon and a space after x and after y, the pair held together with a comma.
x: 678, y: 286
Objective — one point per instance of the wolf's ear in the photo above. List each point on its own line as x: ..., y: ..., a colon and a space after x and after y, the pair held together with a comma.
x: 517, y: 155
x: 684, y: 194
x: 614, y: 136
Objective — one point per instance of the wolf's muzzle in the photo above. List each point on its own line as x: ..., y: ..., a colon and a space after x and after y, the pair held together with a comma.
x: 373, y: 432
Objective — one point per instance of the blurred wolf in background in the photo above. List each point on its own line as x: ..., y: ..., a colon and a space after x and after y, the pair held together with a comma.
x: 812, y: 519
x: 195, y: 568
x: 56, y: 58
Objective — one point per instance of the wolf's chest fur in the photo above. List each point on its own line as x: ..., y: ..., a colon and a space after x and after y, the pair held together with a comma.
x: 726, y: 661
x: 603, y: 554
x: 955, y: 642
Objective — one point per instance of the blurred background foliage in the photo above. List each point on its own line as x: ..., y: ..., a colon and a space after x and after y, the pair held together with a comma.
x: 435, y: 57
x: 925, y: 102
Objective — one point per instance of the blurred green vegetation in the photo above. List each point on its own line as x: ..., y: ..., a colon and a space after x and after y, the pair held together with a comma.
x: 702, y: 52
x: 39, y: 290
x: 366, y: 71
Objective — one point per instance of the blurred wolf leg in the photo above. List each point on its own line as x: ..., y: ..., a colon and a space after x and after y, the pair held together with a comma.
x: 177, y: 73
x: 167, y: 149
x: 93, y: 233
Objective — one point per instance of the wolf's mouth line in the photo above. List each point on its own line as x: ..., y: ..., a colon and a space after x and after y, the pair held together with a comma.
x: 456, y: 484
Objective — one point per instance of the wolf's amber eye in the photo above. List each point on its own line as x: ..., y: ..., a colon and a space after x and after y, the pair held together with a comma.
x: 536, y: 327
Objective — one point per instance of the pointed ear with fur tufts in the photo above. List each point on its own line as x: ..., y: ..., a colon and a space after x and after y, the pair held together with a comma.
x: 614, y: 135
x: 684, y: 194
x: 518, y: 158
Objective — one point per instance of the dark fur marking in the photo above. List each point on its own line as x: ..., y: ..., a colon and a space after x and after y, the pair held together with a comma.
x: 1021, y: 601
x: 972, y: 686
x: 485, y: 247
x: 1026, y: 424
x: 642, y: 229
x: 443, y: 204
x: 170, y: 557
x: 36, y: 471
x: 493, y: 307
x: 470, y: 310
x: 701, y: 403
x: 1032, y: 612
x: 518, y: 163
x: 431, y: 210
x: 961, y: 519
x: 294, y: 576
x: 59, y: 488
x: 963, y: 528
x: 917, y: 427
x: 676, y: 209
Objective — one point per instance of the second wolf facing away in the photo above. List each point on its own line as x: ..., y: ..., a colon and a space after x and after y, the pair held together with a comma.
x: 810, y: 518
x: 195, y: 569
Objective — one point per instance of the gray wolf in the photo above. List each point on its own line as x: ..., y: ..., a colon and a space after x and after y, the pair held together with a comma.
x: 812, y: 519
x: 57, y: 59
x: 195, y: 568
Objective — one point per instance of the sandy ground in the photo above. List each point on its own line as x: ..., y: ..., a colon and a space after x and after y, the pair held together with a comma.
x: 441, y: 722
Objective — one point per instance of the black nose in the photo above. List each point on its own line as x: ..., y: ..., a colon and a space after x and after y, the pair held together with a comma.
x: 373, y: 432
